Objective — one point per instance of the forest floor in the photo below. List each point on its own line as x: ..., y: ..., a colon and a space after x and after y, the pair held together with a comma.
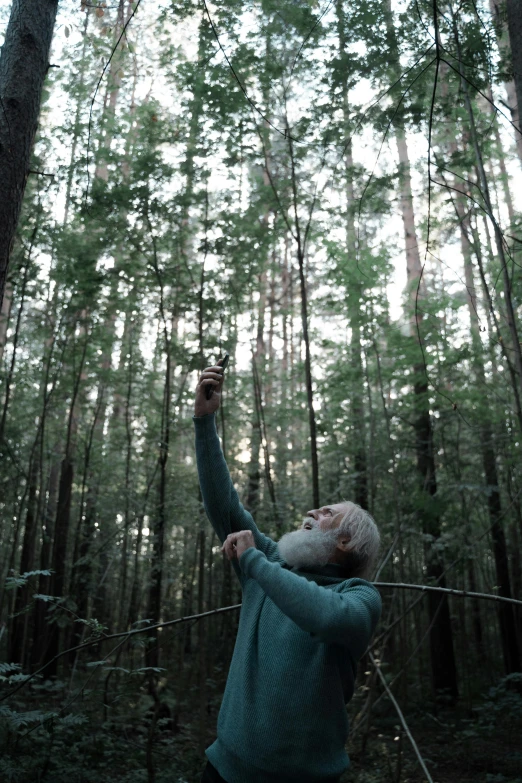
x: 451, y: 757
x: 40, y: 742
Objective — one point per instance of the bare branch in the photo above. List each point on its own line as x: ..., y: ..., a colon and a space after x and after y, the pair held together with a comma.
x: 401, y: 718
x: 450, y: 590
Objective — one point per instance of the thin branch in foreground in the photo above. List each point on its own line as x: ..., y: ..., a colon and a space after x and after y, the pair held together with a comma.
x: 105, y: 637
x: 401, y: 718
x: 167, y: 623
x: 450, y: 591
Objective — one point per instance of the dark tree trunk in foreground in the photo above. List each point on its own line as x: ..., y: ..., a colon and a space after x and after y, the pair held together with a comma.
x: 24, y: 63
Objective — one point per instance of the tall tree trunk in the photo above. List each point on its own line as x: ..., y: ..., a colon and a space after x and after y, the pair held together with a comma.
x: 127, y: 486
x: 258, y: 361
x: 24, y: 63
x: 443, y: 668
x: 158, y: 531
x: 16, y: 338
x: 112, y: 95
x: 194, y: 133
x: 40, y: 627
x: 202, y: 644
x: 300, y: 240
x: 77, y: 118
x: 355, y: 289
x: 502, y: 32
x: 499, y: 239
x: 506, y: 615
x: 81, y: 587
x: 514, y: 23
x: 63, y: 512
x: 18, y: 637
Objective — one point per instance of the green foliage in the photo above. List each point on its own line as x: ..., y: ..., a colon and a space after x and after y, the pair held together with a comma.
x: 19, y: 580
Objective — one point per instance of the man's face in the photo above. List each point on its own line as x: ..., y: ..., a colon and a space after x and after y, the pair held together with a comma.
x: 317, y: 541
x: 326, y: 517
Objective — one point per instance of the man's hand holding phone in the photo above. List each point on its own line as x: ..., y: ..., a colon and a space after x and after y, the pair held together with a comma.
x: 208, y: 390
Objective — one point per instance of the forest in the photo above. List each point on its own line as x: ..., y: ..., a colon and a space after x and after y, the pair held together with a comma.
x: 331, y: 192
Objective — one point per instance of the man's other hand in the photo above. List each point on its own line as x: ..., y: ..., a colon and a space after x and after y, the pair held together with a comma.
x: 237, y: 543
x: 212, y: 376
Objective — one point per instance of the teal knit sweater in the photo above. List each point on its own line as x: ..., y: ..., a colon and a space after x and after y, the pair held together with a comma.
x: 283, y: 715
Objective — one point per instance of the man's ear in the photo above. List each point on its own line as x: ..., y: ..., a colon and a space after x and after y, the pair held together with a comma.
x: 344, y: 543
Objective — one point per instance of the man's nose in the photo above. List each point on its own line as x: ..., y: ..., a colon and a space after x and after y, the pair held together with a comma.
x: 313, y: 513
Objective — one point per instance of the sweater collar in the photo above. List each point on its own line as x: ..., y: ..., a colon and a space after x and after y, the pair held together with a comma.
x: 332, y: 570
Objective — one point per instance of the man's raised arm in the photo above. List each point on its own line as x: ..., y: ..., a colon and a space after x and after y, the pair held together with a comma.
x: 220, y: 498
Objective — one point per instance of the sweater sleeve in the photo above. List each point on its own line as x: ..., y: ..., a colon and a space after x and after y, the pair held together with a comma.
x: 221, y: 501
x: 348, y: 617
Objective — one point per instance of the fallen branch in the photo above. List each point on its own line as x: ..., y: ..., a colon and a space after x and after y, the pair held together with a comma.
x: 401, y: 718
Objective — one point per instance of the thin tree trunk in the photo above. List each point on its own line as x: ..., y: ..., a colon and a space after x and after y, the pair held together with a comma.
x: 7, y: 301
x: 300, y: 248
x: 16, y: 338
x: 355, y: 289
x: 258, y: 361
x: 152, y: 654
x: 81, y: 579
x: 18, y: 648
x: 112, y: 95
x: 127, y: 487
x: 77, y: 117
x: 40, y: 627
x: 202, y: 644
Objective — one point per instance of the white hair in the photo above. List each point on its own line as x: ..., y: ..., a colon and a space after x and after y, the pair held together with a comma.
x: 364, y: 540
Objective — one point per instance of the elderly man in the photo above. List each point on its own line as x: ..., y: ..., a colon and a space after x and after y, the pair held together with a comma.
x: 307, y: 616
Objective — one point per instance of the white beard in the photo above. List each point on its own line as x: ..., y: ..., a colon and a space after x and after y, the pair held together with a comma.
x: 308, y: 548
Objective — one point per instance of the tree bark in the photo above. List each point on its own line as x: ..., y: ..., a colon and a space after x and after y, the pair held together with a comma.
x: 24, y: 63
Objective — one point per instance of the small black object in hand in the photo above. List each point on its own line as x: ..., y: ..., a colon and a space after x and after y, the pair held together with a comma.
x: 210, y: 388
